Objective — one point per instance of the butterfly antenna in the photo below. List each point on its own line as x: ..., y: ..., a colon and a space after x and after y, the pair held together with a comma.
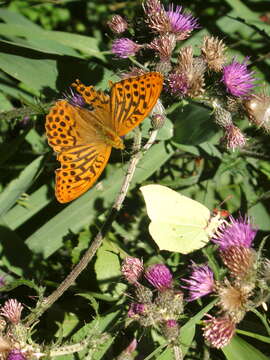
x: 227, y: 198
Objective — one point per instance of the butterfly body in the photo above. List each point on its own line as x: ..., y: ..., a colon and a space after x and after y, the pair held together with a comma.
x: 83, y: 137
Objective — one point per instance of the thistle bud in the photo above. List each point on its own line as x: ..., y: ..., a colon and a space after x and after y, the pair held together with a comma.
x: 213, y: 51
x: 117, y: 24
x: 164, y: 46
x: 240, y: 261
x: 125, y: 47
x: 132, y: 269
x: 218, y: 331
x: 136, y: 309
x: 234, y: 138
x: 223, y: 118
x: 143, y: 294
x: 158, y: 116
x: 258, y: 110
x: 171, y: 330
x: 12, y: 311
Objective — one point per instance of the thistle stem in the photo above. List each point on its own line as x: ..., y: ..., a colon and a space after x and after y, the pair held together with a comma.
x: 178, y: 355
x: 87, y: 257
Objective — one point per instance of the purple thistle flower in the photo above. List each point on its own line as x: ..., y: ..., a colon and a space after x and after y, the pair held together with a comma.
x: 135, y: 309
x: 16, y: 355
x: 159, y: 276
x: 169, y: 22
x: 238, y: 80
x: 171, y: 323
x: 125, y: 47
x: 181, y: 24
x: 74, y: 99
x: 200, y: 283
x: 178, y: 84
x: 238, y: 232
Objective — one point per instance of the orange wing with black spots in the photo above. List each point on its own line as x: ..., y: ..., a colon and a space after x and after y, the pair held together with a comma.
x: 83, y: 138
x: 81, y: 150
x: 133, y: 99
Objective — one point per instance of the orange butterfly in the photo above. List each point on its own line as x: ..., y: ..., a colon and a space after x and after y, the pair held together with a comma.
x: 83, y: 137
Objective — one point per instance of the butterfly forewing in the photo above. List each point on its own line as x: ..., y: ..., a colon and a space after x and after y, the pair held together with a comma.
x: 132, y: 100
x: 60, y: 126
x: 97, y: 99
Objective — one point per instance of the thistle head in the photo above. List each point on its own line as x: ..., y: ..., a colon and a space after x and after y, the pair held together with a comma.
x: 218, y: 331
x: 159, y: 276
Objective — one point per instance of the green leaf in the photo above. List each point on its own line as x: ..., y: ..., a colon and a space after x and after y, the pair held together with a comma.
x: 239, y: 349
x: 211, y: 150
x: 93, y: 301
x: 36, y: 142
x: 86, y: 44
x: 15, y: 18
x: 165, y: 133
x: 188, y: 330
x: 20, y: 185
x: 193, y: 125
x: 43, y: 71
x: 19, y: 214
x: 67, y: 325
x: 25, y: 37
x: 260, y: 216
x: 83, y: 243
x: 16, y: 283
x: 108, y: 276
x: 242, y: 10
x: 167, y: 354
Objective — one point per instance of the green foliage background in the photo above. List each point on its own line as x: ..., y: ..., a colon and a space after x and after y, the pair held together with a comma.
x: 44, y: 47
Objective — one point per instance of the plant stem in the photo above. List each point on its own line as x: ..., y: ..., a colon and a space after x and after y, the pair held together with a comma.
x: 178, y: 355
x: 132, y: 59
x: 25, y: 111
x: 263, y: 319
x: 69, y: 280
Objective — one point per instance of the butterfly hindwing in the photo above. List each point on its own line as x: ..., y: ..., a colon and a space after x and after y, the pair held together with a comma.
x: 178, y: 238
x: 165, y: 204
x: 80, y: 168
x: 133, y: 99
